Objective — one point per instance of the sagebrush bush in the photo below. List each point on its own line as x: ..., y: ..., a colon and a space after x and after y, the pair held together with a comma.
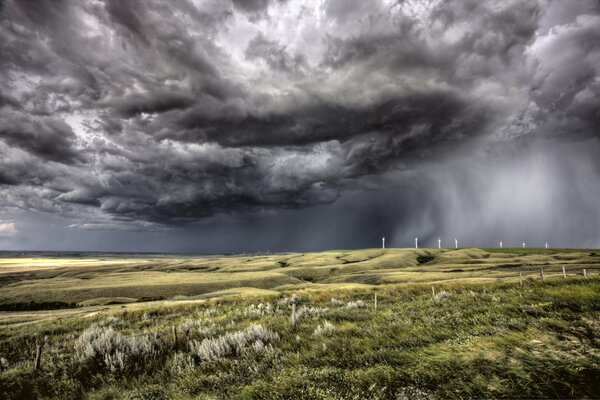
x: 110, y: 349
x: 3, y: 363
x: 234, y: 344
x: 355, y: 304
x: 258, y: 310
x: 288, y: 301
x: 311, y: 312
x: 325, y: 329
x: 442, y: 296
x: 336, y: 303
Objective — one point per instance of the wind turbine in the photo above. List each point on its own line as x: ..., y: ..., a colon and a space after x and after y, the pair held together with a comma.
x: 439, y: 243
x: 455, y: 243
x: 546, y: 244
x: 416, y: 243
x: 383, y: 242
x: 501, y: 244
x: 523, y: 244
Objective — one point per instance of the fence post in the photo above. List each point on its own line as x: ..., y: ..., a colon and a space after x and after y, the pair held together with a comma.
x: 564, y: 272
x: 584, y: 273
x: 375, y: 301
x: 293, y: 317
x: 38, y: 353
x: 433, y: 292
x: 520, y: 278
x: 174, y: 331
x: 542, y: 273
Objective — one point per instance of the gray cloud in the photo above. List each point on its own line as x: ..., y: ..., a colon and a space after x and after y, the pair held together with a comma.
x: 49, y: 138
x: 159, y: 114
x: 274, y: 54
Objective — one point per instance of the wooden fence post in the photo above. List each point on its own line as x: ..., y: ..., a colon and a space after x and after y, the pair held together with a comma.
x: 38, y: 353
x: 584, y: 273
x: 433, y: 292
x: 564, y: 272
x: 375, y: 301
x: 293, y: 317
x: 542, y: 273
x: 174, y: 331
x: 521, y: 278
x: 187, y: 340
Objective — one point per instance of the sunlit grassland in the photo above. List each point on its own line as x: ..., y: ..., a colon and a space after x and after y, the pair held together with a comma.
x: 486, y: 334
x: 114, y: 278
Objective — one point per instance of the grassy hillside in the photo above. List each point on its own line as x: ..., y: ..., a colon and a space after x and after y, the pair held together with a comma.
x: 483, y: 334
x: 47, y: 282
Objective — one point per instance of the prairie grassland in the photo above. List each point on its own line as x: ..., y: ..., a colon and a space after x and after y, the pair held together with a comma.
x: 29, y: 283
x: 483, y: 334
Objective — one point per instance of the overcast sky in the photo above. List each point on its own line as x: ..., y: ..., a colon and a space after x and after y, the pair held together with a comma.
x: 246, y: 125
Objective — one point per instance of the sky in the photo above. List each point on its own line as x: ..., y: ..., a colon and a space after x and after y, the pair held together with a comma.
x: 211, y: 126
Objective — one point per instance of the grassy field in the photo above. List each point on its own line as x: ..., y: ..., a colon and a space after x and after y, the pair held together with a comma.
x: 493, y: 329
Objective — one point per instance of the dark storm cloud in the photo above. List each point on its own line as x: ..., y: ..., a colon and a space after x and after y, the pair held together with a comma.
x: 8, y: 101
x: 48, y: 138
x: 153, y: 112
x: 157, y: 102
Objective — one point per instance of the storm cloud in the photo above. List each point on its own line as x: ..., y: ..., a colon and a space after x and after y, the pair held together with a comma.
x: 173, y: 117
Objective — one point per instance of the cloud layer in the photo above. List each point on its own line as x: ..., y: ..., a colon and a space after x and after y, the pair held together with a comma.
x: 148, y: 115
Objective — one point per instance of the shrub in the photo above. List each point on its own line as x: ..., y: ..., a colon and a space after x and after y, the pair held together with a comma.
x: 442, y: 296
x: 355, y: 304
x: 111, y: 350
x: 234, y: 344
x: 337, y: 303
x: 325, y: 329
x: 288, y: 301
x: 258, y: 310
x: 312, y: 312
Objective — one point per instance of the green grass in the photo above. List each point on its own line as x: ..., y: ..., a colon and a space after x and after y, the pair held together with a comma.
x: 96, y: 280
x: 492, y: 338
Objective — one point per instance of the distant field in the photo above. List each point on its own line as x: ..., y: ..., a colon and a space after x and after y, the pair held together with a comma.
x: 55, y: 282
x: 448, y: 324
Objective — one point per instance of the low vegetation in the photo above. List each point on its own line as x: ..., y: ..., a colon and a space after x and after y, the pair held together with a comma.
x: 466, y: 338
